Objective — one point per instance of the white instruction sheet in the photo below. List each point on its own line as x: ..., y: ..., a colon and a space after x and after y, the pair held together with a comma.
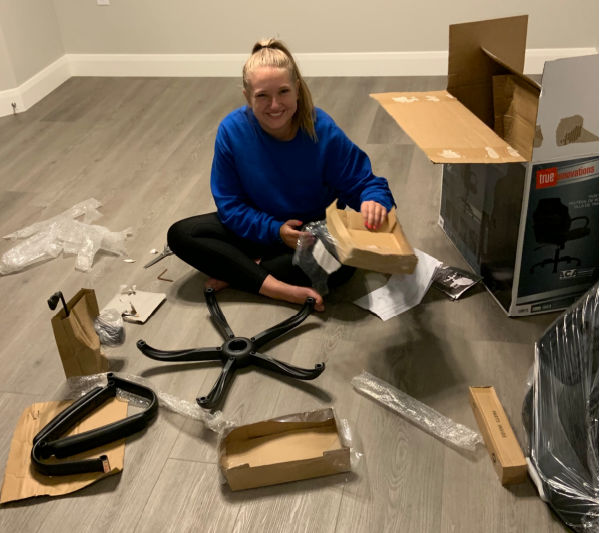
x: 402, y: 291
x: 136, y: 306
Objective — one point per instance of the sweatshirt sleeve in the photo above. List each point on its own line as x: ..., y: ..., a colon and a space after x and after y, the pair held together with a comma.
x: 349, y: 172
x: 234, y: 207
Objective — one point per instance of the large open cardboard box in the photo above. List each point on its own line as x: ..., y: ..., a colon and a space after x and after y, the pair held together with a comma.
x: 520, y: 178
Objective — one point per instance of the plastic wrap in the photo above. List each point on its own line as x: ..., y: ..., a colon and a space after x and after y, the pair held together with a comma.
x: 316, y: 255
x: 560, y: 415
x: 416, y: 412
x: 109, y: 327
x: 214, y: 420
x: 63, y: 234
x: 347, y: 435
x: 454, y: 282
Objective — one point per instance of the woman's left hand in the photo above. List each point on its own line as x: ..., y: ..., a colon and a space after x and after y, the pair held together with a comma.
x: 289, y: 233
x: 373, y: 214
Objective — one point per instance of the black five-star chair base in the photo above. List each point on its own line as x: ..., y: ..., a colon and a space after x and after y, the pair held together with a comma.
x: 237, y: 352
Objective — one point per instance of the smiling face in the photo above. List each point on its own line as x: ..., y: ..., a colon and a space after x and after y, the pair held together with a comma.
x: 273, y: 97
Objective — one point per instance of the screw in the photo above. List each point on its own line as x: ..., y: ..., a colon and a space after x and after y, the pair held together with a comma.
x: 14, y: 106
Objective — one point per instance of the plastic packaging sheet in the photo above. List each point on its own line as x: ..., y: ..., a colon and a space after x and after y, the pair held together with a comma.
x: 49, y: 238
x: 416, y: 412
x: 560, y: 415
x: 78, y: 386
x: 454, y: 282
x: 347, y: 435
x: 316, y: 254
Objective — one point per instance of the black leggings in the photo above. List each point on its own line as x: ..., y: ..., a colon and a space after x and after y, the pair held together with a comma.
x: 206, y: 244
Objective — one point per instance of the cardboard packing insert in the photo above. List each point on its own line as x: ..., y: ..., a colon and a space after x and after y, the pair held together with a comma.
x: 383, y: 250
x: 300, y: 446
x: 500, y: 440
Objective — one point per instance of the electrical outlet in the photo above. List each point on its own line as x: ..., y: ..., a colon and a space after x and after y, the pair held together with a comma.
x: 103, y: 2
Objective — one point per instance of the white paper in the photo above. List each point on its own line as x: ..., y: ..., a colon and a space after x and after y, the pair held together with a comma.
x: 324, y: 259
x: 402, y: 291
x: 144, y: 303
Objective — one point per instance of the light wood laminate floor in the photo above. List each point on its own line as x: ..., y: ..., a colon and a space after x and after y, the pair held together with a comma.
x: 143, y: 147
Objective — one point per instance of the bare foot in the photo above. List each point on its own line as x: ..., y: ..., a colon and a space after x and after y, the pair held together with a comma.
x: 278, y: 290
x: 215, y: 284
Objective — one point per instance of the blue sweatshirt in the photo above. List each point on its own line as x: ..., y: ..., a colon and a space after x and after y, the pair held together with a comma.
x: 259, y: 182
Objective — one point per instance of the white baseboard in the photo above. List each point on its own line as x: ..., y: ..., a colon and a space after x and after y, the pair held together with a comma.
x: 230, y: 65
x: 35, y: 88
x: 175, y: 65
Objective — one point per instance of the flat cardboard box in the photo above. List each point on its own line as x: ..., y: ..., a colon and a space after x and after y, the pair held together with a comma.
x: 383, y: 250
x: 503, y: 447
x: 22, y: 481
x: 509, y: 146
x: 298, y: 446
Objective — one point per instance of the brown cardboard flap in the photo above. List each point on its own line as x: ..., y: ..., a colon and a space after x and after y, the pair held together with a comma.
x: 518, y: 74
x: 470, y: 69
x: 445, y: 129
x: 22, y: 481
x: 515, y: 110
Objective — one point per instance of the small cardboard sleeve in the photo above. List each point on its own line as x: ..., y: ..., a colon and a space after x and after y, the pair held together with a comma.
x: 383, y: 250
x: 281, y: 450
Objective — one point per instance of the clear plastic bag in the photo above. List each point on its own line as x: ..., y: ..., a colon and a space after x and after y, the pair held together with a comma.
x: 47, y: 239
x: 316, y: 254
x: 416, y: 412
x: 110, y: 328
x: 560, y: 415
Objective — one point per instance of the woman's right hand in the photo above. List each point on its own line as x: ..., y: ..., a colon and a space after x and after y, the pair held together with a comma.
x: 289, y: 234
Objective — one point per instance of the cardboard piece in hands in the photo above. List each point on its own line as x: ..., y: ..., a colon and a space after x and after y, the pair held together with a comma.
x: 382, y: 250
x: 22, y: 481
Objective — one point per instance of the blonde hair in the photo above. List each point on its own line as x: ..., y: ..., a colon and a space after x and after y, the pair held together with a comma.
x: 273, y: 53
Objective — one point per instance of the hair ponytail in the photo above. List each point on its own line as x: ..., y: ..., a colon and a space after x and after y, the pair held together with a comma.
x: 273, y: 53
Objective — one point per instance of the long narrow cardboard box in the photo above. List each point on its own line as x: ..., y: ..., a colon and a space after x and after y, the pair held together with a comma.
x: 503, y: 447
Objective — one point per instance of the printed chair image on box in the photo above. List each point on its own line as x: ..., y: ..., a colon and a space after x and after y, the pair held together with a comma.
x: 237, y: 352
x: 552, y: 225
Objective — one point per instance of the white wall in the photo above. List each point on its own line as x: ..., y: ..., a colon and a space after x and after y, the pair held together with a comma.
x: 7, y: 74
x: 44, y: 42
x: 232, y: 26
x: 31, y: 36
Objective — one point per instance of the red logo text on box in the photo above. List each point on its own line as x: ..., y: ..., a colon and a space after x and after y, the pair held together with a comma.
x: 546, y: 177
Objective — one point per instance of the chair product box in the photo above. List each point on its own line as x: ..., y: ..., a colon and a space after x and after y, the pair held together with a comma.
x: 520, y: 177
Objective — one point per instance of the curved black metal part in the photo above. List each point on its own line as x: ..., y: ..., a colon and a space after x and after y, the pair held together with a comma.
x: 53, y: 302
x: 237, y: 352
x: 47, y: 442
